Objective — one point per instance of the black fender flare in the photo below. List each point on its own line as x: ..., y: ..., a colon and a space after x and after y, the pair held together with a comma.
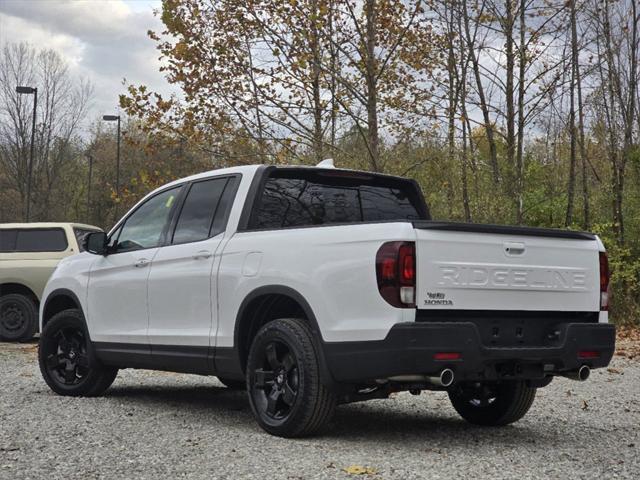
x: 326, y: 376
x: 63, y: 292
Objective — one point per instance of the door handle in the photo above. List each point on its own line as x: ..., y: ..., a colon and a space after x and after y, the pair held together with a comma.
x: 141, y: 262
x: 514, y: 248
x: 202, y: 254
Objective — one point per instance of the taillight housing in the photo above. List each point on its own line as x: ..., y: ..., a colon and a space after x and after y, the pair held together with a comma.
x: 396, y: 273
x: 604, y: 282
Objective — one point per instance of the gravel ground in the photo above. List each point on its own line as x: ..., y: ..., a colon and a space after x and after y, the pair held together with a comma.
x: 162, y: 425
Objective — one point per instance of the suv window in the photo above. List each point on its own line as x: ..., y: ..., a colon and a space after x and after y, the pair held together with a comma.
x: 8, y: 240
x: 305, y: 199
x: 198, y: 211
x: 144, y: 227
x: 33, y: 240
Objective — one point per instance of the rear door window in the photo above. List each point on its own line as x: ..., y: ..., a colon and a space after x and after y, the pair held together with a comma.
x: 198, y: 211
x: 33, y: 240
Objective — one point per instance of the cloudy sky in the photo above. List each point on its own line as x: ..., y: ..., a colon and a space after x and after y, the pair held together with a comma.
x: 102, y: 40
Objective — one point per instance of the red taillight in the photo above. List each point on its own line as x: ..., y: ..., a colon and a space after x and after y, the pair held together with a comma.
x: 585, y: 354
x: 389, y: 268
x: 407, y: 262
x: 604, y: 282
x: 396, y: 273
x: 447, y: 356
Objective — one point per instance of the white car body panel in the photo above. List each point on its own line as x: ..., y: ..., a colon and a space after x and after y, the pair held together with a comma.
x: 117, y: 297
x: 181, y: 292
x: 480, y: 271
x: 72, y: 274
x: 333, y: 268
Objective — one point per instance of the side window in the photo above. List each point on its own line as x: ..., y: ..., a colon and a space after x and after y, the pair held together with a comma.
x: 143, y: 228
x: 198, y: 211
x: 380, y: 203
x: 33, y: 240
x: 8, y: 240
x: 41, y: 240
x: 300, y: 202
x: 294, y: 202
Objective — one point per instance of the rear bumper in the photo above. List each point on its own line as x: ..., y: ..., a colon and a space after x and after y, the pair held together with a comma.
x: 409, y: 349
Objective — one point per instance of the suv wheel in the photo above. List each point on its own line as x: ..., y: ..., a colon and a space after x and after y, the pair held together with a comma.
x: 285, y: 392
x: 18, y: 317
x: 492, y: 404
x: 66, y: 360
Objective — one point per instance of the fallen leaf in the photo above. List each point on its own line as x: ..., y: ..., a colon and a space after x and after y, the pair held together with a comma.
x: 585, y: 405
x: 360, y: 470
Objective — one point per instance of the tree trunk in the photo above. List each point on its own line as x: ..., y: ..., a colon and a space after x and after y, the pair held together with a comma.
x: 520, y: 140
x: 318, y: 141
x: 509, y: 88
x: 453, y: 105
x: 488, y: 125
x: 572, y: 118
x: 586, y: 220
x: 372, y: 88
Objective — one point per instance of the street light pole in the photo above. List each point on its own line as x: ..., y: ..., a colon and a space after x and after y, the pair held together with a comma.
x: 113, y: 118
x: 90, y: 158
x: 28, y: 91
x: 118, y: 167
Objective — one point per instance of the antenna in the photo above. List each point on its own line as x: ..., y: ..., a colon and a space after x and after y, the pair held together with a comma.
x: 327, y: 163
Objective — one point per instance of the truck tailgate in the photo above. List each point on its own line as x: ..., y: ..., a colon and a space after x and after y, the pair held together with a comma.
x: 485, y: 267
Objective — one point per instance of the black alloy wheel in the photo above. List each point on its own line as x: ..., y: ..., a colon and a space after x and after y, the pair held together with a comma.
x: 66, y: 357
x: 492, y: 404
x: 286, y: 392
x: 66, y: 360
x: 276, y: 383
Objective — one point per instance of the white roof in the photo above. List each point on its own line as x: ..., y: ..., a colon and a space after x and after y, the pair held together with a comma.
x: 48, y: 225
x: 249, y: 169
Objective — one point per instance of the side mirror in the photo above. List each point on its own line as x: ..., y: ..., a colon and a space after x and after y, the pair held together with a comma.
x: 96, y: 243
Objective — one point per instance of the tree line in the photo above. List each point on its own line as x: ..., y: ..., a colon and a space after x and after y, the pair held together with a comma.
x: 505, y: 111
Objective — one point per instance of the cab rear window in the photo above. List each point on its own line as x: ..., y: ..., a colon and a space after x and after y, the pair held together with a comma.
x: 307, y: 198
x: 33, y: 240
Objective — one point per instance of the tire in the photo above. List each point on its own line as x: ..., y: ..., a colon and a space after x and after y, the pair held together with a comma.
x: 233, y: 384
x: 493, y: 404
x: 283, y: 378
x: 66, y: 358
x: 18, y: 317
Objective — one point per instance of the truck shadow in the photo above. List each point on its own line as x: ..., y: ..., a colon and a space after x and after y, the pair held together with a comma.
x: 195, y: 399
x: 374, y: 422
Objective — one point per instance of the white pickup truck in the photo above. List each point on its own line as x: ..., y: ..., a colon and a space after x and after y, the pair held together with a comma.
x: 312, y: 287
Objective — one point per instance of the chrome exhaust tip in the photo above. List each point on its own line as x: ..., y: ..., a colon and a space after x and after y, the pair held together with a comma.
x: 445, y: 379
x: 580, y: 374
x: 583, y: 373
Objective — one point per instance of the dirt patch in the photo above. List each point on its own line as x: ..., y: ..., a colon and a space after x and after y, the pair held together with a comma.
x: 628, y: 342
